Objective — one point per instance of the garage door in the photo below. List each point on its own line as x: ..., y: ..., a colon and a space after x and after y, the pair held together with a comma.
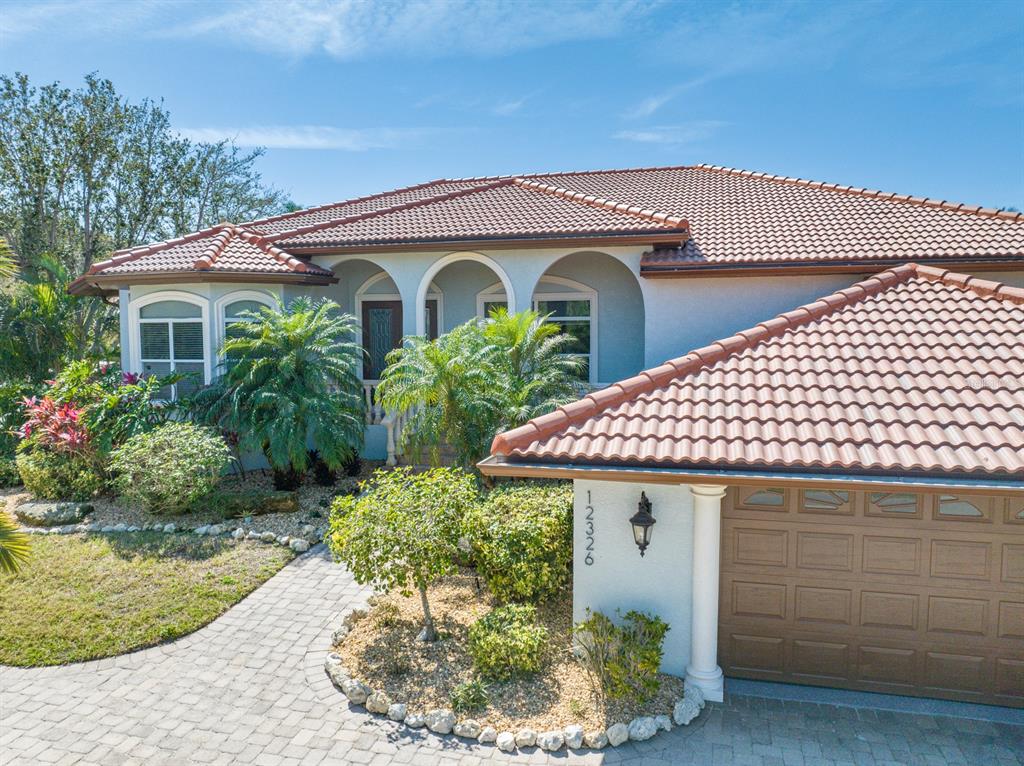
x: 884, y: 592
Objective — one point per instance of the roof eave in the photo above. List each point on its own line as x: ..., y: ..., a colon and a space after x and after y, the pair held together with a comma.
x: 499, y: 466
x: 865, y: 266
x: 105, y: 284
x: 633, y: 238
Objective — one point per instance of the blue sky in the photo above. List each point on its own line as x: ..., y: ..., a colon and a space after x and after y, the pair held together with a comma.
x: 352, y: 98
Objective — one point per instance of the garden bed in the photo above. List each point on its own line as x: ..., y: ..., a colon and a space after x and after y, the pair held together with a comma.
x: 84, y: 597
x: 381, y: 650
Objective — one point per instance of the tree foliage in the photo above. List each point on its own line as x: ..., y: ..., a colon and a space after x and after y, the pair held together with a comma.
x: 481, y: 378
x: 292, y: 377
x: 403, y: 530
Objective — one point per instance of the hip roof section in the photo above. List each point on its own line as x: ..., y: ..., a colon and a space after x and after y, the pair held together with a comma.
x: 915, y: 370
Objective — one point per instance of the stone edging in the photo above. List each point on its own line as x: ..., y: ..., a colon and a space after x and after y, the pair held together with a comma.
x: 443, y: 721
x: 297, y: 544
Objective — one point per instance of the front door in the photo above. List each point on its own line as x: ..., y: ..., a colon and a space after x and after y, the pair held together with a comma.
x: 382, y: 332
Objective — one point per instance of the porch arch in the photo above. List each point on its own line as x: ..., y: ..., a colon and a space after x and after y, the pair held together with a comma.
x: 437, y: 266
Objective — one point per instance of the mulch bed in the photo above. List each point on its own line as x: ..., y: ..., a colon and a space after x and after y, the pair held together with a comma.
x: 382, y: 651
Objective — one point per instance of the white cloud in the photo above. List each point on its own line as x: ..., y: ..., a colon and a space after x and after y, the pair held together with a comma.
x: 505, y: 108
x: 347, y: 29
x: 686, y: 133
x: 308, y: 136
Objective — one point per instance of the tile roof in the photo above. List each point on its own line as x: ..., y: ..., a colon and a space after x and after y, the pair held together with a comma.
x: 221, y: 248
x: 695, y: 218
x: 916, y: 369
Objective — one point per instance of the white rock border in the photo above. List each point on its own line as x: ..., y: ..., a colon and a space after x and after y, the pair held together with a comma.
x: 444, y: 722
x: 296, y: 544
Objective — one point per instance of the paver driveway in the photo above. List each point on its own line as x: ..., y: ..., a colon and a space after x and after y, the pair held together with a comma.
x: 249, y: 688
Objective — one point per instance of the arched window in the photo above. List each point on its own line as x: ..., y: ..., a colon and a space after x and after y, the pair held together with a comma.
x: 172, y: 338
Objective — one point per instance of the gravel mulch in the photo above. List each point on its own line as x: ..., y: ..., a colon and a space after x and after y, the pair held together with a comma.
x: 381, y: 650
x: 310, y: 522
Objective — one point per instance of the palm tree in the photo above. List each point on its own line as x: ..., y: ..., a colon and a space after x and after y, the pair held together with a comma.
x: 477, y: 380
x: 291, y: 377
x: 537, y: 374
x: 14, y: 545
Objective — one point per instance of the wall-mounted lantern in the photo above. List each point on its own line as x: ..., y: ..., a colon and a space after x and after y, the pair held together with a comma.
x: 642, y: 521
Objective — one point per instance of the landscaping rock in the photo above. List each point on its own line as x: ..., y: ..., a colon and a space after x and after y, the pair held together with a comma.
x: 550, y: 740
x: 378, y: 702
x: 441, y: 721
x: 215, y: 529
x: 397, y: 711
x: 573, y: 735
x: 268, y: 537
x: 42, y: 514
x: 596, y: 740
x: 415, y: 721
x: 695, y: 694
x: 617, y: 733
x: 107, y: 529
x: 168, y: 528
x: 664, y: 722
x: 253, y: 535
x: 284, y: 540
x: 238, y: 534
x: 202, y: 530
x: 487, y: 735
x: 469, y: 729
x: 339, y: 675
x: 299, y: 545
x: 124, y: 527
x: 356, y: 691
x: 642, y: 728
x: 307, y: 530
x: 685, y: 711
x: 339, y: 635
x: 506, y: 741
x: 526, y: 738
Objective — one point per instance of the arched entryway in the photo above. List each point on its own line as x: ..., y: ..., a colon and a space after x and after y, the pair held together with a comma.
x: 459, y: 277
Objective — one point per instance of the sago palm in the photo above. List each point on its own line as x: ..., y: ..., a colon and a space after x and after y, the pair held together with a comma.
x: 14, y: 546
x: 291, y: 378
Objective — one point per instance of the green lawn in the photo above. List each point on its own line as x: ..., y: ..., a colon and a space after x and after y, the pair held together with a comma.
x: 82, y: 598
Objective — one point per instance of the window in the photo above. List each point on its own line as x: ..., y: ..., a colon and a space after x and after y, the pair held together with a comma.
x: 890, y: 503
x: 825, y: 501
x: 573, y: 318
x: 171, y: 339
x: 767, y: 499
x: 951, y: 505
x: 234, y: 315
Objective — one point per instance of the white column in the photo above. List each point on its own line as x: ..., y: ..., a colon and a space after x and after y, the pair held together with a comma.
x: 703, y: 670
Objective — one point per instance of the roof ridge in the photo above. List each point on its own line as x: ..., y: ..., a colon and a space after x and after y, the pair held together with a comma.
x: 574, y: 172
x: 986, y: 288
x: 127, y: 254
x: 649, y: 380
x: 384, y: 211
x: 218, y: 243
x: 339, y: 203
x: 957, y: 207
x: 676, y: 221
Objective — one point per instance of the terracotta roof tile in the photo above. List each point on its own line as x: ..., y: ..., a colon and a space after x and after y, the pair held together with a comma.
x: 913, y: 370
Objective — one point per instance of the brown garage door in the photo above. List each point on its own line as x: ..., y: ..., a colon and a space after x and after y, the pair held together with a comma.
x: 886, y: 592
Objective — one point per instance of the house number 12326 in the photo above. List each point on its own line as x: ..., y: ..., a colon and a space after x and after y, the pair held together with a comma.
x: 588, y: 559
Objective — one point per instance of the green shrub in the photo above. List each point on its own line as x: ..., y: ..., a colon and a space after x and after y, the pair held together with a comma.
x: 403, y: 531
x: 621, y: 661
x: 9, y: 476
x: 168, y: 469
x: 521, y: 538
x: 470, y: 697
x: 508, y: 642
x: 60, y: 476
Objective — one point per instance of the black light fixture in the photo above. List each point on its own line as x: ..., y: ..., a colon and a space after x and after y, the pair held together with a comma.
x: 642, y: 521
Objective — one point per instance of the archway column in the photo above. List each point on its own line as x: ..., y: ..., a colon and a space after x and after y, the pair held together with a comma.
x: 703, y: 670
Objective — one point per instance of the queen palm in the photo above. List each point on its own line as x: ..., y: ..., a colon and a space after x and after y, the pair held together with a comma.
x: 291, y: 378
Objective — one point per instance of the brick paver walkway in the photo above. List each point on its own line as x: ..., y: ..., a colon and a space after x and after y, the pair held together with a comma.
x: 250, y: 689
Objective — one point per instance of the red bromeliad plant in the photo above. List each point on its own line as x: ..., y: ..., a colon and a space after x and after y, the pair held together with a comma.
x: 53, y: 426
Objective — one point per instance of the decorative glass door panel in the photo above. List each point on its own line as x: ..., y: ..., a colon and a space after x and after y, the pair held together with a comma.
x: 382, y: 332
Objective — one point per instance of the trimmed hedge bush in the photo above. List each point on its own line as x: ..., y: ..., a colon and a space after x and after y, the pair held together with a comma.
x: 168, y: 469
x: 521, y: 539
x: 60, y: 476
x: 508, y: 642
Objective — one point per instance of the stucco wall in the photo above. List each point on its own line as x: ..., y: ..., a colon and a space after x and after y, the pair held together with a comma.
x: 660, y: 582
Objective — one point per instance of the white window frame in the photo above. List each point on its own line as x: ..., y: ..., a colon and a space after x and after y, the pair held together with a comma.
x: 221, y: 304
x: 575, y: 291
x: 135, y: 335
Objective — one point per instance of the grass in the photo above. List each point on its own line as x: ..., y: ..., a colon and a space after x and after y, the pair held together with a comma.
x: 86, y: 597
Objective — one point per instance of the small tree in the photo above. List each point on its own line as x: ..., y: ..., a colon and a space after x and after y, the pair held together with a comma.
x: 403, y: 531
